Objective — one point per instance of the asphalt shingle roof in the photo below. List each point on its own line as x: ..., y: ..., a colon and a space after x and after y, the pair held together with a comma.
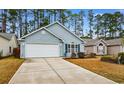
x: 92, y: 42
x: 7, y: 36
x: 114, y: 41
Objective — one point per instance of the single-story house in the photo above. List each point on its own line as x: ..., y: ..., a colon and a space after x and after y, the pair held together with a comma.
x: 53, y: 40
x: 7, y: 43
x: 103, y: 47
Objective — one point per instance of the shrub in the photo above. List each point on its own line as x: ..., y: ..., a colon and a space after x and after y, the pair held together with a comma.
x: 92, y: 55
x: 109, y: 59
x: 121, y: 55
x: 73, y: 55
x: 16, y: 52
x: 81, y: 54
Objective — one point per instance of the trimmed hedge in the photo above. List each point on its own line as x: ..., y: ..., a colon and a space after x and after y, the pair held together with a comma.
x: 81, y: 54
x: 121, y: 55
x: 109, y: 59
x: 92, y: 55
x: 1, y: 53
x: 73, y: 55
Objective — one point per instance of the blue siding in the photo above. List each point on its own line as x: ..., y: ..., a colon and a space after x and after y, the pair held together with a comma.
x: 64, y: 34
x: 43, y: 38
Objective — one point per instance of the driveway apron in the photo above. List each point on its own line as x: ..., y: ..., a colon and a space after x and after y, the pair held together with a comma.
x: 55, y: 71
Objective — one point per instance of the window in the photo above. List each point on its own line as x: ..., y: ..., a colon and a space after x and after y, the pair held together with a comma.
x: 10, y: 50
x: 100, y: 44
x: 76, y: 48
x: 68, y: 48
x: 72, y: 48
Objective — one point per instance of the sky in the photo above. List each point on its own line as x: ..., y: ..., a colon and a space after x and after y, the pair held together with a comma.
x: 95, y: 11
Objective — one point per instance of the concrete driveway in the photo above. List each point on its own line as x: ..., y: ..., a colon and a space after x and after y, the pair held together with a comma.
x: 55, y: 71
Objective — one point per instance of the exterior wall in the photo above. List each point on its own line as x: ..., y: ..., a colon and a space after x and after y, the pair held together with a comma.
x: 113, y: 50
x: 4, y: 46
x: 42, y: 37
x: 121, y: 49
x: 64, y: 34
x: 82, y: 48
x: 13, y: 43
x: 89, y: 49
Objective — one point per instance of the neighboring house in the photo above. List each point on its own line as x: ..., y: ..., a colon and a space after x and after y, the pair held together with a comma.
x: 115, y: 46
x: 7, y: 43
x: 103, y: 47
x: 53, y: 40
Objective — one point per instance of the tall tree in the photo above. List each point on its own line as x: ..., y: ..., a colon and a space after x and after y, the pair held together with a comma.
x: 13, y: 19
x: 42, y: 16
x: 81, y: 22
x: 98, y: 25
x: 90, y: 18
x: 69, y: 21
x: 63, y: 15
x: 55, y: 14
x: 4, y: 18
x: 119, y: 23
x: 26, y: 21
x: 20, y: 22
x: 74, y: 19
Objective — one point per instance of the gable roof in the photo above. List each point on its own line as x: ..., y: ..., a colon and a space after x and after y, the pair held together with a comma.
x: 114, y: 42
x: 111, y: 42
x: 91, y: 42
x: 7, y: 36
x: 38, y: 30
x: 65, y: 29
x: 50, y: 31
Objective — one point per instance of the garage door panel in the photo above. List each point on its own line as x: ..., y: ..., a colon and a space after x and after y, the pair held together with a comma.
x: 37, y: 50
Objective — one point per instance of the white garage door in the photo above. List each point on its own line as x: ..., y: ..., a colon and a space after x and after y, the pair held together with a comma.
x: 38, y: 50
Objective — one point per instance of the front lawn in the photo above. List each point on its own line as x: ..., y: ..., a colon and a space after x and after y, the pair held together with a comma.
x: 8, y: 67
x: 111, y: 71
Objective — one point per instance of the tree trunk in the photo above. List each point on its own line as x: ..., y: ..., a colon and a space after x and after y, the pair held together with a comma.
x: 4, y: 14
x: 20, y: 23
x: 26, y: 22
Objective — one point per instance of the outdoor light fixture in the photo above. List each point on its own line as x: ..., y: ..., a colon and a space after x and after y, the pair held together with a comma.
x: 43, y: 32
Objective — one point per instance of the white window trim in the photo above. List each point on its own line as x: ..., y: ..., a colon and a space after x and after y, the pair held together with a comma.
x: 69, y: 50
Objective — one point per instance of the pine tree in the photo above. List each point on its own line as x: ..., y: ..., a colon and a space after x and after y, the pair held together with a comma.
x: 90, y: 18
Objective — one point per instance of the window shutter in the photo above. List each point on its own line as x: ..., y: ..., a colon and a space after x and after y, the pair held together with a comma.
x: 65, y: 48
x: 78, y: 47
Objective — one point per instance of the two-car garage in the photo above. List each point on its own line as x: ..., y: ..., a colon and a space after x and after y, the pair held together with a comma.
x: 41, y: 50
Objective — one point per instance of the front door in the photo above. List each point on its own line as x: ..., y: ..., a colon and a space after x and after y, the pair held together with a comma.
x: 101, y: 49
